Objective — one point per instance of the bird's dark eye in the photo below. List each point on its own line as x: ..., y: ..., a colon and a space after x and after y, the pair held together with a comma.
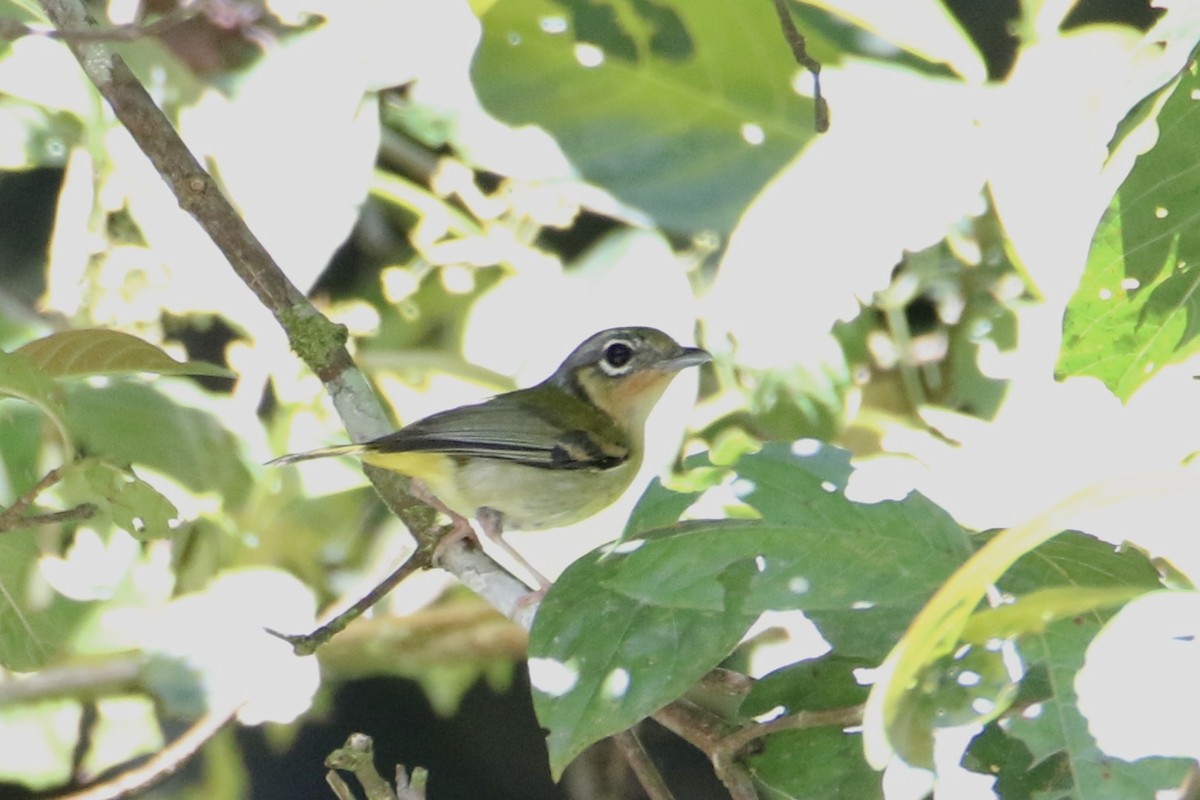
x: 617, y: 355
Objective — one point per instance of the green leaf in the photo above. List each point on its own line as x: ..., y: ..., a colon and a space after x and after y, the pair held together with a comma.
x: 814, y: 765
x: 1137, y: 307
x: 818, y: 684
x: 687, y: 116
x: 905, y: 704
x: 1079, y: 559
x: 658, y: 507
x: 132, y: 423
x: 859, y: 570
x: 132, y: 504
x: 20, y: 449
x: 1054, y: 728
x: 817, y: 762
x: 1033, y: 612
x: 600, y: 660
x: 95, y: 351
x: 19, y: 377
x: 34, y: 621
x: 668, y: 607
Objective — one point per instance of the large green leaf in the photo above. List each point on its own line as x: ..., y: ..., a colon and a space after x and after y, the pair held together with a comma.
x: 817, y: 762
x: 1054, y: 730
x: 95, y: 351
x: 859, y: 570
x: 1137, y: 307
x: 600, y: 660
x: 20, y: 377
x: 34, y: 622
x: 1070, y: 575
x: 663, y: 609
x: 120, y: 496
x: 689, y: 112
x: 134, y: 423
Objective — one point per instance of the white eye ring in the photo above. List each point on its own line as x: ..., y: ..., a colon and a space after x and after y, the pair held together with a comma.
x: 625, y: 354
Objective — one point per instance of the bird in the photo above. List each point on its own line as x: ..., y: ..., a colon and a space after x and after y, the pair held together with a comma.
x: 543, y: 457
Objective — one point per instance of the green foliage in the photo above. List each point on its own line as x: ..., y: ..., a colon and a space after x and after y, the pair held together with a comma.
x: 820, y: 761
x: 31, y: 633
x: 74, y: 354
x: 673, y: 80
x: 813, y: 549
x: 1055, y: 732
x: 548, y: 169
x: 1135, y: 310
x: 133, y: 423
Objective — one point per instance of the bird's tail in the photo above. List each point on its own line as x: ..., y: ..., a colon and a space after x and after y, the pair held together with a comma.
x: 324, y: 452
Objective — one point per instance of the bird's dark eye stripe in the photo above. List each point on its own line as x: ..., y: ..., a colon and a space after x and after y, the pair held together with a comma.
x: 618, y: 354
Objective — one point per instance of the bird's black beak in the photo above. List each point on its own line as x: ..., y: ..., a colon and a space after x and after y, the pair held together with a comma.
x: 687, y: 357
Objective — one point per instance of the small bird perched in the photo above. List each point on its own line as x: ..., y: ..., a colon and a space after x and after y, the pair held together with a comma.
x: 543, y: 457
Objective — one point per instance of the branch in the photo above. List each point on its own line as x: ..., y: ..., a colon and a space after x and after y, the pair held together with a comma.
x: 735, y: 744
x: 631, y: 748
x: 799, y: 48
x: 81, y: 681
x: 160, y: 766
x: 317, y: 341
x: 11, y: 518
x: 728, y: 744
x: 704, y: 730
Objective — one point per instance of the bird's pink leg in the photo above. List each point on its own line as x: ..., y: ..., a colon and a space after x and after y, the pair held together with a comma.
x: 492, y: 524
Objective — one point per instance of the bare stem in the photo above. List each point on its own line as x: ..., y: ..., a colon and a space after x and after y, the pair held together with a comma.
x: 11, y: 518
x: 305, y: 644
x: 635, y: 754
x: 160, y: 766
x: 735, y: 744
x: 727, y: 744
x: 320, y: 343
x: 799, y: 48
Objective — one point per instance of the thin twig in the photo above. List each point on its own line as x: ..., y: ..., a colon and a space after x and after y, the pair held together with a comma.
x: 705, y: 731
x: 799, y: 47
x: 639, y: 761
x: 305, y: 644
x: 81, y: 511
x: 320, y: 343
x: 13, y: 513
x: 161, y: 765
x: 119, y: 675
x: 726, y: 743
x: 735, y: 743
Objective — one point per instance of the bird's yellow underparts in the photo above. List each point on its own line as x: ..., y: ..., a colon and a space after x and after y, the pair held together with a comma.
x: 547, y: 456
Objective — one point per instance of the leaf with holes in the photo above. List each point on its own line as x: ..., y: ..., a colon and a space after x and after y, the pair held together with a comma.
x: 132, y: 504
x: 859, y: 570
x: 684, y: 110
x: 134, y: 423
x: 599, y: 660
x: 1137, y: 307
x: 1055, y: 731
x: 619, y: 636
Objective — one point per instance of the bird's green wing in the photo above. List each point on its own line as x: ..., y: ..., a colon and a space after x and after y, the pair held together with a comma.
x: 539, y: 427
